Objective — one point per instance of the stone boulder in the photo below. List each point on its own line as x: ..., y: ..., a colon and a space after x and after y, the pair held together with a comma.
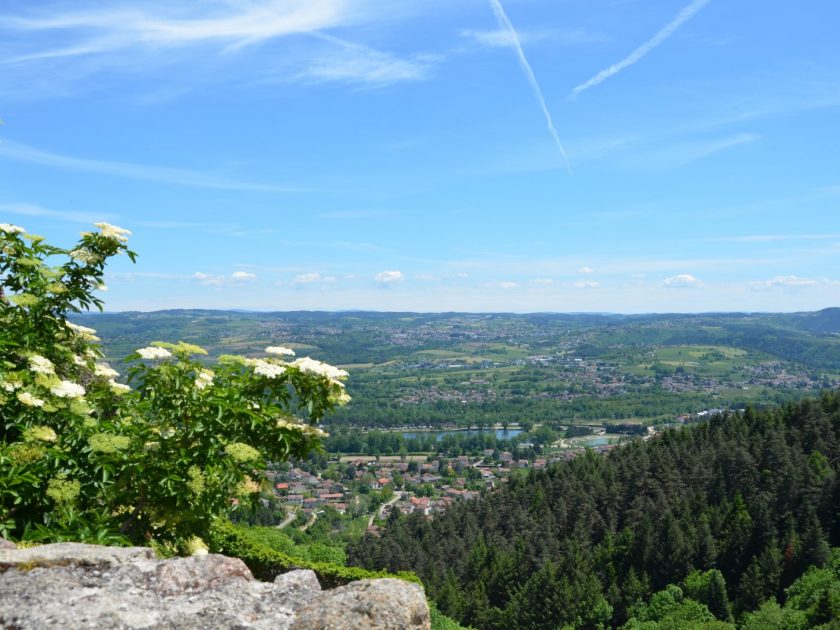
x: 71, y: 585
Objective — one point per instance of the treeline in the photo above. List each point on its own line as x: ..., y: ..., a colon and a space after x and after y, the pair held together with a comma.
x: 752, y: 496
x: 344, y: 440
x: 367, y: 410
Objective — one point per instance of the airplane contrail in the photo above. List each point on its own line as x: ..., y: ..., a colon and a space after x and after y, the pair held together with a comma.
x: 506, y: 24
x: 682, y: 17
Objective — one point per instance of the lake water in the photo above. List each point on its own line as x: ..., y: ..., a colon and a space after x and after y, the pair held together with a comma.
x: 598, y: 441
x: 501, y: 434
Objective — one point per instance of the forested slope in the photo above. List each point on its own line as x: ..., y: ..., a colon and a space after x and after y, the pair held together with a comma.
x: 753, y: 495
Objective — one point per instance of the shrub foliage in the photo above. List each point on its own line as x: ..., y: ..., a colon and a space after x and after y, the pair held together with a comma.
x: 152, y: 460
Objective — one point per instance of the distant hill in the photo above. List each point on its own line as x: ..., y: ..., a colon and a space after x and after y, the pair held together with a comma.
x: 481, y: 368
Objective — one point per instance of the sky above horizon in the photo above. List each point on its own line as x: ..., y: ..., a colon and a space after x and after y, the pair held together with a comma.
x: 514, y: 155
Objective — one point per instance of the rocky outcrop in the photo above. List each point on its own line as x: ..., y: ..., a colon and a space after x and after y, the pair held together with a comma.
x: 70, y: 585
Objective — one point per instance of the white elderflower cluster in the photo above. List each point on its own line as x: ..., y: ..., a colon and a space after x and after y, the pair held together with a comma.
x: 306, y: 429
x: 82, y: 330
x: 41, y: 365
x: 119, y: 388
x: 103, y: 369
x: 67, y: 389
x: 311, y: 366
x: 40, y: 433
x: 8, y: 228
x: 85, y: 255
x: 29, y: 400
x: 280, y: 351
x: 203, y: 379
x: 79, y: 361
x: 112, y: 231
x: 11, y: 385
x: 269, y: 370
x: 152, y: 353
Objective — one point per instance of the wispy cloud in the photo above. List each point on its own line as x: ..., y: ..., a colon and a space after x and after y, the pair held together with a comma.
x: 682, y: 281
x: 234, y: 24
x: 313, y: 277
x: 237, y: 277
x: 634, y: 57
x: 586, y: 284
x: 180, y: 177
x: 783, y: 282
x: 357, y: 63
x: 33, y: 210
x: 502, y: 38
x: 118, y: 33
x: 507, y: 26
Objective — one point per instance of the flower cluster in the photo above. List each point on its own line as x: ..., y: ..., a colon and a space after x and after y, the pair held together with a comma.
x: 242, y: 453
x: 88, y: 334
x: 269, y: 370
x: 153, y: 353
x: 203, y: 379
x: 41, y: 365
x: 280, y: 351
x: 84, y: 255
x: 30, y: 400
x: 67, y: 389
x: 108, y: 443
x: 112, y: 231
x: 312, y: 366
x: 8, y: 228
x: 105, y: 370
x: 39, y: 433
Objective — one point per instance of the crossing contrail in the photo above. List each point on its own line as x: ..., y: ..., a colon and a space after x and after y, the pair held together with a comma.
x: 682, y: 17
x: 506, y: 25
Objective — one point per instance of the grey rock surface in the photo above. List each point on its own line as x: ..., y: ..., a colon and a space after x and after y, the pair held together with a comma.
x: 385, y: 604
x: 297, y: 586
x: 71, y: 585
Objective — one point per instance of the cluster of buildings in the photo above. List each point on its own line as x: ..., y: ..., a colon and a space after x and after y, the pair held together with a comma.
x: 428, y: 487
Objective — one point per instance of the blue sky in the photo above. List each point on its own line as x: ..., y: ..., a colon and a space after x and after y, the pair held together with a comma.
x: 408, y: 155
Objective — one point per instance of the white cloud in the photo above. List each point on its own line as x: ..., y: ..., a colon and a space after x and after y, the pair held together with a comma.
x: 586, y: 284
x: 237, y: 277
x: 119, y: 33
x: 389, y: 277
x: 683, y: 280
x: 313, y: 278
x: 586, y: 270
x: 121, y: 25
x: 784, y: 282
x: 508, y: 285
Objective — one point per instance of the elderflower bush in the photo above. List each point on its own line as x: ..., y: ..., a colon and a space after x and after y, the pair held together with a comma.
x: 85, y: 457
